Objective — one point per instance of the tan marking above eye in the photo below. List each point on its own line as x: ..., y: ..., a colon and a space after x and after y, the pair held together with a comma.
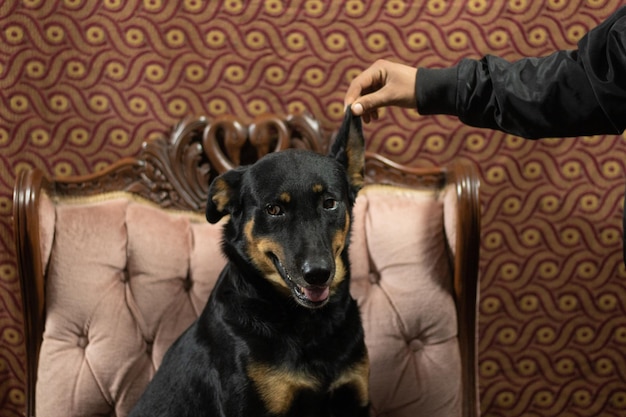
x: 285, y: 197
x: 278, y: 386
x: 318, y: 188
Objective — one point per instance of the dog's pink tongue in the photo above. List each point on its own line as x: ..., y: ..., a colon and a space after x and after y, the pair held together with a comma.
x: 316, y: 294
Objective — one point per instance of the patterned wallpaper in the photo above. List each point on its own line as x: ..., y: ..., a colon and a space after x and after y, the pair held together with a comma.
x: 83, y: 83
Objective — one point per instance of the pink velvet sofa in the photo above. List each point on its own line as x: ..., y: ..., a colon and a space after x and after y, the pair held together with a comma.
x: 115, y: 265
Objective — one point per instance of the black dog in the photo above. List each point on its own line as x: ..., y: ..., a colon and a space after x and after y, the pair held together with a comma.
x: 280, y: 334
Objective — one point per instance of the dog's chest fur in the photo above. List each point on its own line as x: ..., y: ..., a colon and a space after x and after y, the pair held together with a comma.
x: 293, y: 359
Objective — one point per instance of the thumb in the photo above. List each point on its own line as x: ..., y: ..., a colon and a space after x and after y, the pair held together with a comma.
x: 368, y: 103
x: 357, y: 109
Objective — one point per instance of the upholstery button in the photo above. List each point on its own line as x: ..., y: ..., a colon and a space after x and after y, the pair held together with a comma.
x: 416, y: 344
x: 187, y: 284
x: 149, y: 344
x: 82, y: 341
x: 374, y: 277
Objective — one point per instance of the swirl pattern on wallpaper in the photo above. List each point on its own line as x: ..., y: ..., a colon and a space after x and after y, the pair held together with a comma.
x: 83, y: 83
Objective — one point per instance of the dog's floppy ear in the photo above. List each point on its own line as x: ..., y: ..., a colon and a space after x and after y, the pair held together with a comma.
x: 349, y: 149
x: 223, y: 195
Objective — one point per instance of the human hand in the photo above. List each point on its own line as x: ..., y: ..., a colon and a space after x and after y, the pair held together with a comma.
x: 384, y: 83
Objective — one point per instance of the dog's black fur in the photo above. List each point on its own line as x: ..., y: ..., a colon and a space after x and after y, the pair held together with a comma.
x: 280, y: 334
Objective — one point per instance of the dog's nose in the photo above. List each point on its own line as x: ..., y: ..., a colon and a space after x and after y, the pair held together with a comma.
x: 317, y: 273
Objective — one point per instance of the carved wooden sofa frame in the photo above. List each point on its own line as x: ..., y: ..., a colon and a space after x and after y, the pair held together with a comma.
x: 173, y: 172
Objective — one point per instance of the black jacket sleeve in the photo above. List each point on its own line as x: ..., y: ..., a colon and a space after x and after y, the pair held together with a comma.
x: 567, y: 93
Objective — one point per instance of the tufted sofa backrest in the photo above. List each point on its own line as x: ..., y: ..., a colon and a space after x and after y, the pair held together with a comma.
x: 124, y: 276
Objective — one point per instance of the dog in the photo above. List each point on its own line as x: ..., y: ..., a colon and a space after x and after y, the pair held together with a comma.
x: 280, y: 334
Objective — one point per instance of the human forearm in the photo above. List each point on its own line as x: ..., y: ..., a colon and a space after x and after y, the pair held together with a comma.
x: 532, y: 97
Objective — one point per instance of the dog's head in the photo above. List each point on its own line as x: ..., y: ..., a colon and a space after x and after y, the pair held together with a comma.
x: 290, y: 215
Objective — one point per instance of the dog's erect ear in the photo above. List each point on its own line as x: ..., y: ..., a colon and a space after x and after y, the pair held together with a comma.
x: 223, y: 195
x: 349, y: 149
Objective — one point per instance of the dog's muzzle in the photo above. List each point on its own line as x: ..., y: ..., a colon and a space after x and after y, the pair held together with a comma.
x: 313, y: 290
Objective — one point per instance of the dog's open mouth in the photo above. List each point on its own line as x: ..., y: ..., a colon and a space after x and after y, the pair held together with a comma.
x: 314, y: 294
x: 309, y: 296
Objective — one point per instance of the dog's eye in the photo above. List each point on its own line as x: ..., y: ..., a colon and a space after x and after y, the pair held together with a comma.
x: 274, y: 210
x: 330, y: 204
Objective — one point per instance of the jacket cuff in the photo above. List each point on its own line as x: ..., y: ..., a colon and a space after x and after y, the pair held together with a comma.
x: 436, y: 90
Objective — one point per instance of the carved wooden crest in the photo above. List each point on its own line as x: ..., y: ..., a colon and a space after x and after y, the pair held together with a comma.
x: 175, y: 170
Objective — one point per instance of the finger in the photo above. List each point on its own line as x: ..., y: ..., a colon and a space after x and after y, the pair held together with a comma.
x: 369, y: 116
x: 357, y: 109
x: 369, y: 80
x: 370, y: 102
x: 355, y: 88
